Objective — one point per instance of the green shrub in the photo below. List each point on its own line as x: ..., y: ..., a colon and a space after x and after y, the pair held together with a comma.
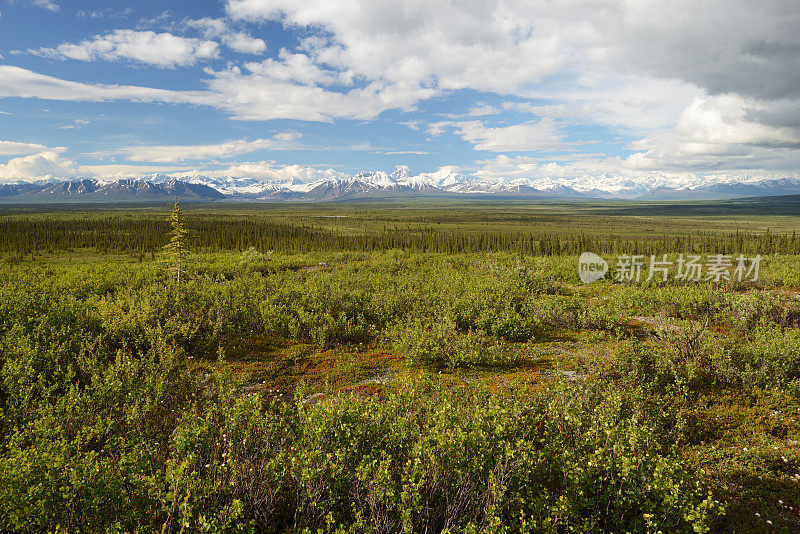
x: 427, y: 459
x: 439, y: 342
x: 769, y: 358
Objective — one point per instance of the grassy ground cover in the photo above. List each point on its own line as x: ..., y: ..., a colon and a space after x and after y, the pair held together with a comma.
x: 392, y: 390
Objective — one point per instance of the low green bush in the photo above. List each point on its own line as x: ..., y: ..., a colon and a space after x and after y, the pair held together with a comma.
x: 769, y: 357
x: 437, y: 341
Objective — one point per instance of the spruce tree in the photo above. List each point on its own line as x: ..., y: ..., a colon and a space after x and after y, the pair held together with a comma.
x: 176, y: 248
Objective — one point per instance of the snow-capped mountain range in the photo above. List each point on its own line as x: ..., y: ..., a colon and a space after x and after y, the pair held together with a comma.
x: 380, y: 184
x: 449, y: 181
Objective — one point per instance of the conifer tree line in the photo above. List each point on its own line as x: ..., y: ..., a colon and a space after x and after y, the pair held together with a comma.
x: 147, y: 234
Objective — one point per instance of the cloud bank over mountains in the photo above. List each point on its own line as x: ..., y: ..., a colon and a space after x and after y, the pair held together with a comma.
x: 585, y: 94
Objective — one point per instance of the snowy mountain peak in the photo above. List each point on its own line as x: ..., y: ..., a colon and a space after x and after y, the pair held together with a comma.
x: 401, y: 173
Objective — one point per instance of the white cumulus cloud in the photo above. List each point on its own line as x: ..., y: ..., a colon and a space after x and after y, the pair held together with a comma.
x: 47, y: 164
x: 235, y: 40
x: 23, y: 83
x: 158, y: 49
x: 176, y: 153
x: 14, y: 148
x: 258, y: 96
x: 537, y: 136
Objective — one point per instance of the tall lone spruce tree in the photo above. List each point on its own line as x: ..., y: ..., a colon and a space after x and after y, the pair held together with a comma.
x: 176, y: 248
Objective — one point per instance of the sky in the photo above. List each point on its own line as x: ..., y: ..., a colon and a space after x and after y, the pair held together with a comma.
x: 570, y: 91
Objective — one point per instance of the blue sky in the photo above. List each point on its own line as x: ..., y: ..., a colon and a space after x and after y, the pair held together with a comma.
x: 587, y: 93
